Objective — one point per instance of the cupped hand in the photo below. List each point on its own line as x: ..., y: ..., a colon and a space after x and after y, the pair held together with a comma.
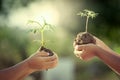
x: 42, y: 61
x: 88, y: 51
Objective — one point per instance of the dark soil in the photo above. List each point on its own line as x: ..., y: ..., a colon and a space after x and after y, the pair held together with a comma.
x: 84, y: 38
x: 46, y: 50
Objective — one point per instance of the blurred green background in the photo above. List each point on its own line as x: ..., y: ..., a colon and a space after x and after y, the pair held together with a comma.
x: 16, y: 43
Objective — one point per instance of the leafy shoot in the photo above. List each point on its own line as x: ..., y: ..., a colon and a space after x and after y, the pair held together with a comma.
x: 40, y: 29
x: 88, y: 14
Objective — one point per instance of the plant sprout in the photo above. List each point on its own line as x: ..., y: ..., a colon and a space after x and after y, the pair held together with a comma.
x: 88, y: 14
x: 40, y: 29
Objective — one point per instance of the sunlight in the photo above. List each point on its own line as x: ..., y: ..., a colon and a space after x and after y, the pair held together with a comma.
x: 20, y: 16
x: 50, y: 15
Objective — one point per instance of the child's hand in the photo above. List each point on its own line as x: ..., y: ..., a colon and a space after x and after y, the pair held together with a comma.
x: 88, y: 51
x: 42, y: 61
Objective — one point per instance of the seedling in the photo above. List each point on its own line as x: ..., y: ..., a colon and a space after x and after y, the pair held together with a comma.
x: 40, y: 29
x: 88, y: 14
x: 85, y: 37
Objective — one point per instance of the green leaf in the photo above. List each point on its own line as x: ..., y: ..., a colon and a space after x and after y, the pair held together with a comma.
x: 40, y: 29
x: 51, y: 27
x: 87, y: 13
x: 36, y: 22
x: 81, y: 14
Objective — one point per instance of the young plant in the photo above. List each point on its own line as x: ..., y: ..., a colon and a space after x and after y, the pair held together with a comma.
x: 85, y: 37
x: 88, y: 14
x: 40, y: 29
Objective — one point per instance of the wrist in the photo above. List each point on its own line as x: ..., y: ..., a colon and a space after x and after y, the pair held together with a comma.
x: 28, y: 69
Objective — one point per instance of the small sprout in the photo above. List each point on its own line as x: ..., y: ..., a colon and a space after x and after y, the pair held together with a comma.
x: 40, y: 29
x: 88, y: 14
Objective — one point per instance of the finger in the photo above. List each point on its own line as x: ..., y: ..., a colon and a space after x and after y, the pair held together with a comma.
x: 83, y: 47
x: 51, y: 64
x: 55, y: 55
x: 49, y: 58
x: 79, y: 47
x: 42, y: 54
x: 77, y: 53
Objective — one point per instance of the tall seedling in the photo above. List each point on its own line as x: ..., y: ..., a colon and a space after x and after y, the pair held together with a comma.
x: 40, y: 29
x: 85, y: 37
x: 88, y: 14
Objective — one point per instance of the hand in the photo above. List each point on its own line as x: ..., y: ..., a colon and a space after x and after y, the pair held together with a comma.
x: 42, y: 61
x: 88, y: 51
x: 38, y: 61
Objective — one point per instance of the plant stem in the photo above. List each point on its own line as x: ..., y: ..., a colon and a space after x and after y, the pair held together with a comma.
x: 86, y: 25
x: 42, y: 38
